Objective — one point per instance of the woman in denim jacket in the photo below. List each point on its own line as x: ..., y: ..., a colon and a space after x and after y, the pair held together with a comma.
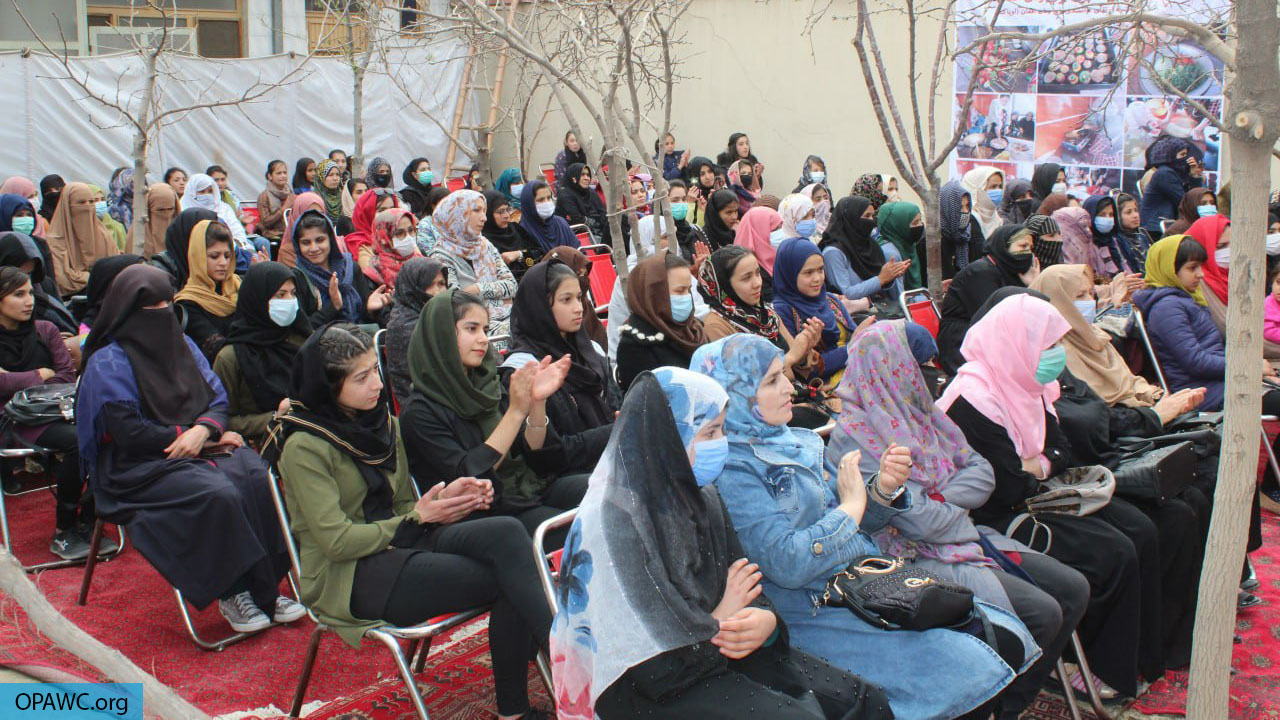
x: 800, y: 532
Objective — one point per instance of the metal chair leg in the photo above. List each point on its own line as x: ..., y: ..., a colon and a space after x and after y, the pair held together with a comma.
x: 423, y: 652
x: 313, y: 650
x: 1086, y: 674
x: 1067, y: 691
x: 393, y: 644
x: 216, y: 645
x: 544, y: 671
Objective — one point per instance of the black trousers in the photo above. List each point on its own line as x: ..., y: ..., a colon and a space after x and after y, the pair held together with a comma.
x: 485, y: 561
x: 60, y: 437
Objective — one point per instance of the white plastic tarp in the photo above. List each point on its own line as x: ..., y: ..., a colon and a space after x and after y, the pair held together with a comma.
x: 50, y: 126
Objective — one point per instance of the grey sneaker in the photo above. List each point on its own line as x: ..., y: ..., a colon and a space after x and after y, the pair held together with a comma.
x: 69, y: 545
x: 288, y: 610
x: 243, y: 614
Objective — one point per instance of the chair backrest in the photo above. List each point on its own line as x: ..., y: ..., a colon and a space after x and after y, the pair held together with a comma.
x: 456, y: 183
x: 548, y: 173
x: 585, y: 236
x: 1141, y: 326
x: 380, y: 349
x: 602, y: 276
x: 549, y: 565
x: 919, y: 307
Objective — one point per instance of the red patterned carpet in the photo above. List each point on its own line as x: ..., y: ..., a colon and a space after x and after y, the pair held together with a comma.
x: 133, y: 610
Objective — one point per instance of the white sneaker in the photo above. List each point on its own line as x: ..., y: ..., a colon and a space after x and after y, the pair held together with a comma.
x: 243, y: 614
x: 288, y: 610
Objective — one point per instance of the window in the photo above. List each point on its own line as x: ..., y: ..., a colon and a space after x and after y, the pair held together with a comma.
x: 54, y: 22
x: 214, y: 27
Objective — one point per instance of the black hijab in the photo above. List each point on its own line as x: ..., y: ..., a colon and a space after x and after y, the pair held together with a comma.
x: 414, y: 192
x: 261, y: 346
x: 1011, y: 266
x: 718, y: 234
x: 16, y: 249
x: 48, y: 197
x: 534, y: 331
x: 21, y: 348
x: 177, y: 238
x: 172, y: 389
x: 1043, y: 178
x: 410, y: 296
x: 851, y: 233
x: 693, y: 174
x: 575, y: 201
x: 505, y: 239
x: 101, y: 275
x: 368, y: 438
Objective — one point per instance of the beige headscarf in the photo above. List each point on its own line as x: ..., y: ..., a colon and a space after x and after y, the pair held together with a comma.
x: 76, y: 239
x: 200, y: 288
x: 1090, y: 355
x: 985, y: 211
x: 162, y: 205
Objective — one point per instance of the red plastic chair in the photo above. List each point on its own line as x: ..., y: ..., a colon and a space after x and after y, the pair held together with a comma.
x: 456, y: 184
x: 918, y: 305
x: 602, y: 276
x: 549, y: 174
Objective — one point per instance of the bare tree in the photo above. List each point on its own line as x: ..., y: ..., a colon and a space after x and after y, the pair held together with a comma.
x: 354, y: 29
x: 145, y: 110
x: 1249, y: 48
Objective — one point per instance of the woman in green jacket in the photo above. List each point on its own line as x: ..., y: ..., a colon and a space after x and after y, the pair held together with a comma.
x: 370, y: 552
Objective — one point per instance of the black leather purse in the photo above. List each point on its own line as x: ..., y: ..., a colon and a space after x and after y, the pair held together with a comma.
x: 893, y: 594
x: 1153, y: 472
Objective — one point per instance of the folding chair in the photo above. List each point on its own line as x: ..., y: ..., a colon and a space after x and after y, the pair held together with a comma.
x: 586, y: 238
x: 919, y: 307
x: 548, y: 173
x: 602, y: 276
x: 23, y: 453
x: 380, y: 349
x: 388, y: 635
x: 456, y: 183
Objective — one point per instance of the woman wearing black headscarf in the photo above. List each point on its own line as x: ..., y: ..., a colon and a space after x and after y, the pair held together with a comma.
x: 419, y: 280
x: 50, y: 192
x: 20, y: 251
x: 721, y: 218
x: 255, y: 360
x: 150, y: 419
x: 856, y: 264
x: 1047, y: 179
x: 701, y: 175
x: 547, y: 320
x: 518, y: 254
x: 578, y: 204
x: 104, y: 273
x: 418, y: 179
x: 370, y: 553
x: 1008, y: 262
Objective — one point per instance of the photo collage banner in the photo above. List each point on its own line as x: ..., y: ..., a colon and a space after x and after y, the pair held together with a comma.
x: 1092, y: 102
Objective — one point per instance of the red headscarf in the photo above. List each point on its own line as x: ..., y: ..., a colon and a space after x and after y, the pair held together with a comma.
x: 1208, y: 231
x: 388, y: 262
x: 362, y: 221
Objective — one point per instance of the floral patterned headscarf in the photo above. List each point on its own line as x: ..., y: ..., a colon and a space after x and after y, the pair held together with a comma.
x: 739, y: 362
x: 870, y: 187
x: 450, y: 223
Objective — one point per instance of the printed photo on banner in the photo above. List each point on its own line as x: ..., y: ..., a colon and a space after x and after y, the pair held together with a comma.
x: 999, y: 127
x: 1147, y: 118
x: 1005, y: 65
x: 1079, y: 129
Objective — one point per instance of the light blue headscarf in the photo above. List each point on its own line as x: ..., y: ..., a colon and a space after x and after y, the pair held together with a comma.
x: 739, y: 362
x: 695, y: 399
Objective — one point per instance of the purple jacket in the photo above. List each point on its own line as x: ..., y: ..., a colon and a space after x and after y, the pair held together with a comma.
x: 1191, y: 350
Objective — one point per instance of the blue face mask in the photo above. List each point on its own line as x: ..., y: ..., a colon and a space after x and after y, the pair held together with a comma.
x: 282, y: 311
x: 24, y: 225
x: 817, y: 175
x: 1088, y: 308
x: 100, y: 207
x: 426, y: 176
x: 1052, y: 361
x: 1206, y: 210
x: 806, y: 228
x: 709, y: 457
x: 681, y: 307
x: 1104, y: 224
x: 996, y: 195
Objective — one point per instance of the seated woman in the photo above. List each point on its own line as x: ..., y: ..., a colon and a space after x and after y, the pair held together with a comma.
x: 344, y: 290
x: 721, y: 218
x: 962, y: 238
x: 662, y: 329
x: 887, y: 409
x: 275, y: 200
x: 539, y: 226
x: 209, y: 295
x: 856, y: 265
x: 800, y: 295
x: 1019, y: 201
x: 475, y: 266
x: 370, y: 553
x: 394, y: 243
x: 1046, y: 240
x: 1198, y: 202
x: 505, y: 236
x: 802, y: 521
x: 460, y: 423
x: 1001, y: 399
x: 1111, y: 257
x: 418, y: 181
x: 760, y: 231
x: 113, y: 226
x: 76, y: 239
x: 426, y: 233
x: 547, y: 321
x: 821, y: 199
x: 902, y: 225
x: 1131, y: 237
x: 32, y: 354
x: 653, y: 549
x: 257, y: 356
x: 1008, y: 261
x: 420, y: 280
x: 579, y: 204
x: 581, y: 266
x: 22, y: 251
x: 150, y: 419
x: 731, y: 282
x: 511, y: 184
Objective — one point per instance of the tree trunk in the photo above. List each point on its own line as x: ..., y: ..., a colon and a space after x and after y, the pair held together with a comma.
x: 1254, y: 114
x: 141, y: 143
x: 613, y: 205
x: 933, y: 241
x: 357, y: 101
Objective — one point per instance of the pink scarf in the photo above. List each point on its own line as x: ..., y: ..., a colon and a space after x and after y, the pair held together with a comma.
x: 1002, y: 351
x: 753, y: 234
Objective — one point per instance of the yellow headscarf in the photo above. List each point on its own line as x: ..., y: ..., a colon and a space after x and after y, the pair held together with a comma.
x: 200, y: 288
x: 1160, y: 266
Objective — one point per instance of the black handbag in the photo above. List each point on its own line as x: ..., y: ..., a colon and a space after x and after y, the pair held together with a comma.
x: 1153, y: 472
x: 893, y: 594
x: 42, y: 404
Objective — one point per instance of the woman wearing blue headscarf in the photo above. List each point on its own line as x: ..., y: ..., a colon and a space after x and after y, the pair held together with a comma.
x: 800, y: 293
x: 509, y: 183
x: 539, y: 224
x: 804, y: 520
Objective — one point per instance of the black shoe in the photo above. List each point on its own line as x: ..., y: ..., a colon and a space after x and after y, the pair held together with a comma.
x: 1247, y: 600
x: 1250, y: 582
x: 69, y: 545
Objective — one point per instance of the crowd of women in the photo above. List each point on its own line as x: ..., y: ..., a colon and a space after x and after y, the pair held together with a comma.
x: 711, y: 511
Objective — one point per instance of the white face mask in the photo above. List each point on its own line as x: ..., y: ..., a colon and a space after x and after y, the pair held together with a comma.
x: 777, y: 236
x: 282, y: 311
x: 1222, y: 256
x: 1060, y: 188
x: 405, y: 245
x: 208, y: 202
x: 515, y: 189
x: 1273, y: 244
x: 546, y: 208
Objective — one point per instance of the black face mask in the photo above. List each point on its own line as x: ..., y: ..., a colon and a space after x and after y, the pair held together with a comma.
x: 866, y: 225
x: 1022, y: 261
x: 1026, y: 204
x: 915, y: 233
x: 746, y: 180
x: 382, y: 180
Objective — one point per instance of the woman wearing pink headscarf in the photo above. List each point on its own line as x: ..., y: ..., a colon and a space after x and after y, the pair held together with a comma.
x: 821, y: 199
x: 301, y: 203
x: 18, y: 185
x: 760, y: 231
x: 1076, y: 226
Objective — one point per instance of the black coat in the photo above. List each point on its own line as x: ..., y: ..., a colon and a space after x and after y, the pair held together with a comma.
x: 639, y: 349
